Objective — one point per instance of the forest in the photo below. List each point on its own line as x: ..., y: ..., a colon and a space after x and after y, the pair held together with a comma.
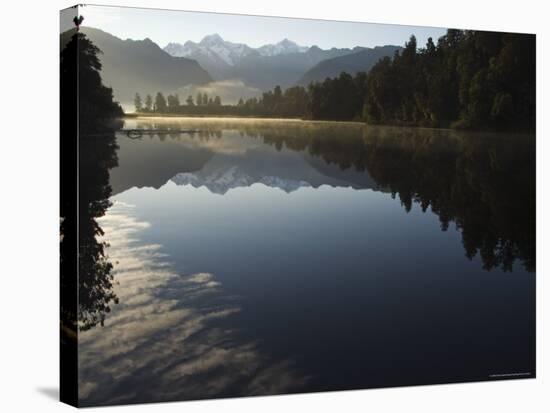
x: 467, y: 80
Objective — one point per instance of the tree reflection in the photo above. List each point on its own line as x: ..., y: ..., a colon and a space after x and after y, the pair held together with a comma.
x: 95, y: 293
x: 484, y: 183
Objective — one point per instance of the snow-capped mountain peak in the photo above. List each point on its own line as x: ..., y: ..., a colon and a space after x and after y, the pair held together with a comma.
x: 211, y: 39
x: 212, y: 46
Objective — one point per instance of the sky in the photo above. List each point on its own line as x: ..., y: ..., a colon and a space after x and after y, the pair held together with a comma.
x: 165, y: 26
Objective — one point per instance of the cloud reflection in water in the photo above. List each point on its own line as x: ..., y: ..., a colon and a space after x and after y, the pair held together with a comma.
x: 167, y: 338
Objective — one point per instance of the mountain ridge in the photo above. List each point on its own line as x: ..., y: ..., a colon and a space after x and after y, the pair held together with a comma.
x: 231, y: 52
x: 360, y: 61
x: 265, y: 67
x: 131, y: 66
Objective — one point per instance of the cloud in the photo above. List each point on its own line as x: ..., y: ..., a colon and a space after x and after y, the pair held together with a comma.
x: 163, y: 341
x: 205, y: 279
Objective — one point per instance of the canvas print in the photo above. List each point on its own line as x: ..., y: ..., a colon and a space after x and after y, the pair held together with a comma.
x: 263, y: 205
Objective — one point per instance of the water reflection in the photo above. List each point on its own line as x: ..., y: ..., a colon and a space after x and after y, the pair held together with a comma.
x: 259, y: 257
x: 93, y: 269
x: 164, y: 340
x: 95, y: 289
x: 481, y: 182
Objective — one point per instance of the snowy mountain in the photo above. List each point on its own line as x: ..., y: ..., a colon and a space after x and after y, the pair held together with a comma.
x: 221, y: 181
x: 283, y: 63
x: 285, y: 46
x: 286, y: 170
x: 212, y: 47
x: 216, y: 48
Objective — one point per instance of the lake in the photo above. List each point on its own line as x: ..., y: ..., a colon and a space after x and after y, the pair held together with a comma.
x: 254, y: 257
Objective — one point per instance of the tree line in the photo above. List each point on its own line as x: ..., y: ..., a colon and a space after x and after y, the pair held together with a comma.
x: 468, y: 79
x: 171, y: 103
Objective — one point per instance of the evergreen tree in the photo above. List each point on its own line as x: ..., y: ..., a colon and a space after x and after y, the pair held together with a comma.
x: 173, y: 103
x: 160, y: 103
x: 137, y: 103
x: 96, y: 103
x: 148, y: 103
x: 470, y: 79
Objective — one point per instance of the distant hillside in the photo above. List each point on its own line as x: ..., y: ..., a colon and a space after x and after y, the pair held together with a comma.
x: 131, y: 66
x: 266, y: 72
x: 352, y: 63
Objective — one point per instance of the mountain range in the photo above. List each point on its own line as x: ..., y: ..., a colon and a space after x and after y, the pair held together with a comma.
x: 284, y: 63
x: 217, y: 49
x: 131, y: 66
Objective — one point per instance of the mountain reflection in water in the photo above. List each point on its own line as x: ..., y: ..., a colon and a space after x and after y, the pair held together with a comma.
x: 482, y: 182
x: 265, y: 256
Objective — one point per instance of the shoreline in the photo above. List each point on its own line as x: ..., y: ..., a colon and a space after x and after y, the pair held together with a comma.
x: 231, y: 117
x: 317, y: 121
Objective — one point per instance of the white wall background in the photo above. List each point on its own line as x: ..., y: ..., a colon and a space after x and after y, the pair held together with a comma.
x: 29, y: 206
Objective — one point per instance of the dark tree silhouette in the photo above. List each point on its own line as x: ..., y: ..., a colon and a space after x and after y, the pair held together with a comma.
x: 96, y: 105
x: 91, y: 275
x: 470, y: 79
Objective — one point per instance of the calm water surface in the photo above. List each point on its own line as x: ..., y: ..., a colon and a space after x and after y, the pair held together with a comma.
x: 262, y: 257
